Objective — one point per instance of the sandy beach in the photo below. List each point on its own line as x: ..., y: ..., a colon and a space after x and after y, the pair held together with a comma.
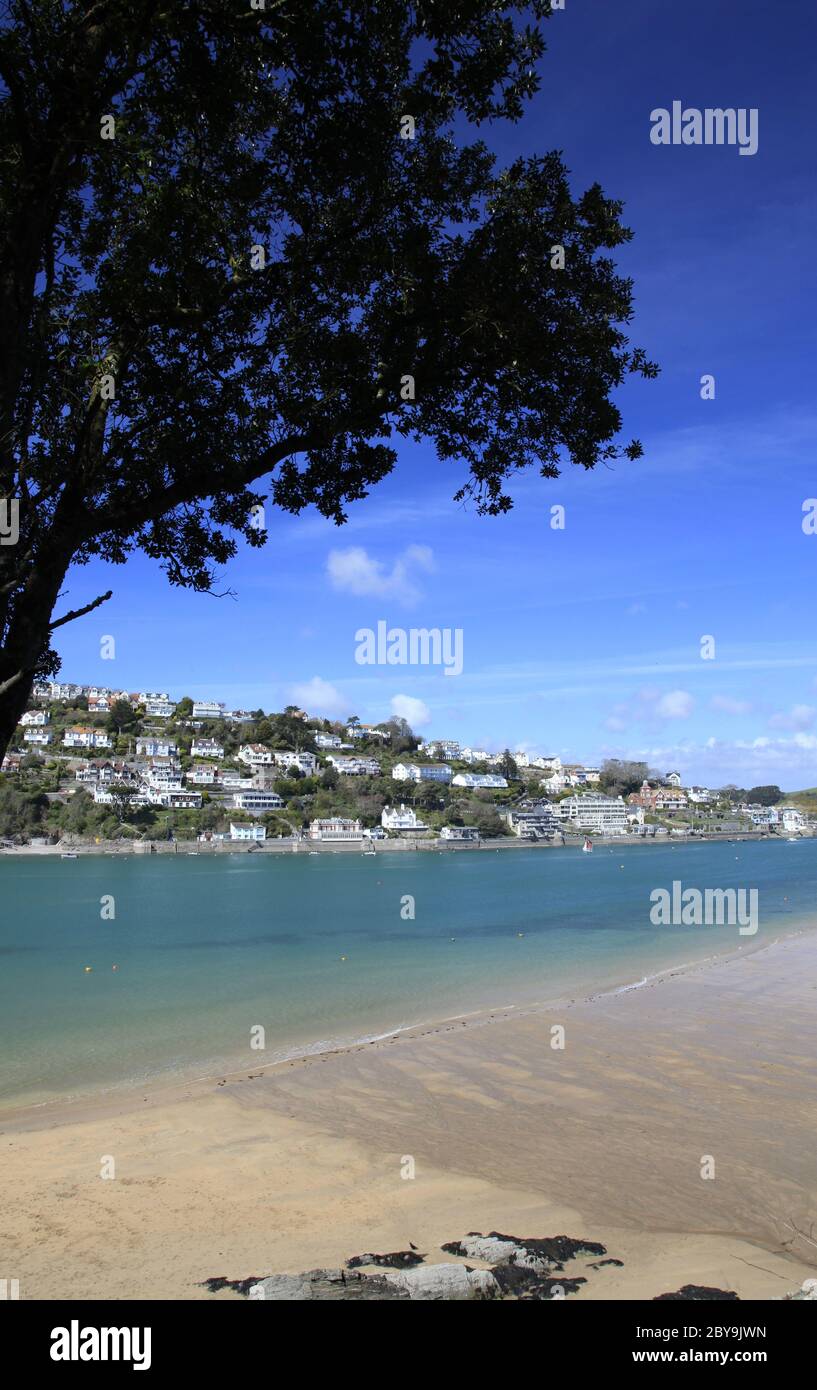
x: 302, y: 1165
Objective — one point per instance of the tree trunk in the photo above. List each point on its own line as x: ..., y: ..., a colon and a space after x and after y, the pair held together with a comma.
x: 27, y: 637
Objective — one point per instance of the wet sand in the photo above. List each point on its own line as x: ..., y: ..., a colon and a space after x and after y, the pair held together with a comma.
x: 706, y: 1069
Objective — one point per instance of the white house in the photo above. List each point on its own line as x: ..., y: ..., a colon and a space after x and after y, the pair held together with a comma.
x: 367, y: 731
x: 35, y: 718
x: 554, y: 784
x: 459, y: 832
x: 328, y: 740
x: 446, y: 748
x: 401, y: 820
x: 285, y: 757
x: 254, y: 832
x: 156, y: 748
x: 337, y: 828
x: 673, y: 779
x: 177, y: 798
x: 474, y: 755
x: 207, y: 709
x: 206, y: 748
x: 606, y: 815
x: 81, y: 737
x: 104, y: 795
x: 421, y: 772
x: 203, y: 774
x: 792, y: 820
x: 55, y: 690
x: 479, y: 780
x: 159, y: 707
x: 40, y: 737
x: 257, y: 801
x: 355, y: 767
x: 547, y: 764
x: 164, y: 775
x: 533, y: 820
x: 255, y: 755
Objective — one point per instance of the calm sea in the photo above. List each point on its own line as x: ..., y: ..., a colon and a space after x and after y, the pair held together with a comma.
x: 319, y: 950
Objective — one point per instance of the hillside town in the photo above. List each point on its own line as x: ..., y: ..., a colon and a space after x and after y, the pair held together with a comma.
x: 92, y: 765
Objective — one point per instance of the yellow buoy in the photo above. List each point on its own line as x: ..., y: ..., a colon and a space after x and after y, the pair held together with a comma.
x: 88, y: 969
x: 343, y: 957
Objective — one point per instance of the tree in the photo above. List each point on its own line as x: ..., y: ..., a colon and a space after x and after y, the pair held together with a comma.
x: 122, y: 794
x: 184, y: 708
x: 764, y: 796
x: 227, y: 279
x: 507, y: 767
x: 619, y: 777
x: 121, y: 716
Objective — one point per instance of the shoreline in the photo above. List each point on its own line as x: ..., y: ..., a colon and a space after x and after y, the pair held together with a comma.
x: 193, y: 848
x: 298, y: 1165
x: 171, y: 1082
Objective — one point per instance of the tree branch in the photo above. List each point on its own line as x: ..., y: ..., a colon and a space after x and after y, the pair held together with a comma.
x: 6, y: 685
x: 78, y: 613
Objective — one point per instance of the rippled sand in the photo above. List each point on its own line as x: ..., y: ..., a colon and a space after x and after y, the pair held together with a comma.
x: 604, y: 1139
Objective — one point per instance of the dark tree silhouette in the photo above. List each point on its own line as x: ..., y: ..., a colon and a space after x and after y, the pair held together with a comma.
x: 230, y: 277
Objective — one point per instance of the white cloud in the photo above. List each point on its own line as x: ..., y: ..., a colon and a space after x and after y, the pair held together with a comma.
x: 789, y: 762
x: 728, y: 705
x: 650, y: 707
x: 354, y: 571
x: 800, y: 717
x: 319, y: 697
x: 676, y: 704
x: 415, y: 712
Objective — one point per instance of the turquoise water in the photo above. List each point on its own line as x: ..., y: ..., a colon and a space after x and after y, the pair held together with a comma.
x: 206, y: 949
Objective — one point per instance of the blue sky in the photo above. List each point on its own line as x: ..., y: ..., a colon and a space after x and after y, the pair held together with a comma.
x: 584, y: 641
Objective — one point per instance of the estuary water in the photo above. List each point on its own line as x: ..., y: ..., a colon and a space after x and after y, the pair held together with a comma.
x: 322, y: 950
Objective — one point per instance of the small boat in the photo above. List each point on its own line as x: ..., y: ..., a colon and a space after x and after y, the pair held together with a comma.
x: 370, y: 851
x: 792, y: 840
x: 69, y: 854
x: 587, y: 847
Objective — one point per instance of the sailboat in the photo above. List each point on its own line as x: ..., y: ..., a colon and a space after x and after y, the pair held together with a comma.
x: 587, y: 847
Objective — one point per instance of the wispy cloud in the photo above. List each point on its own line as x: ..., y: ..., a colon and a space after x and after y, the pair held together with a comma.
x: 416, y: 712
x: 355, y: 571
x: 318, y: 696
x: 799, y: 718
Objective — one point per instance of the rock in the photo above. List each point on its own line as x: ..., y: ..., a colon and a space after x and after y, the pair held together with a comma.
x: 398, y: 1259
x: 238, y: 1285
x: 325, y: 1285
x: 525, y: 1251
x: 807, y: 1290
x: 529, y: 1286
x: 694, y: 1293
x: 488, y: 1248
x: 451, y: 1282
